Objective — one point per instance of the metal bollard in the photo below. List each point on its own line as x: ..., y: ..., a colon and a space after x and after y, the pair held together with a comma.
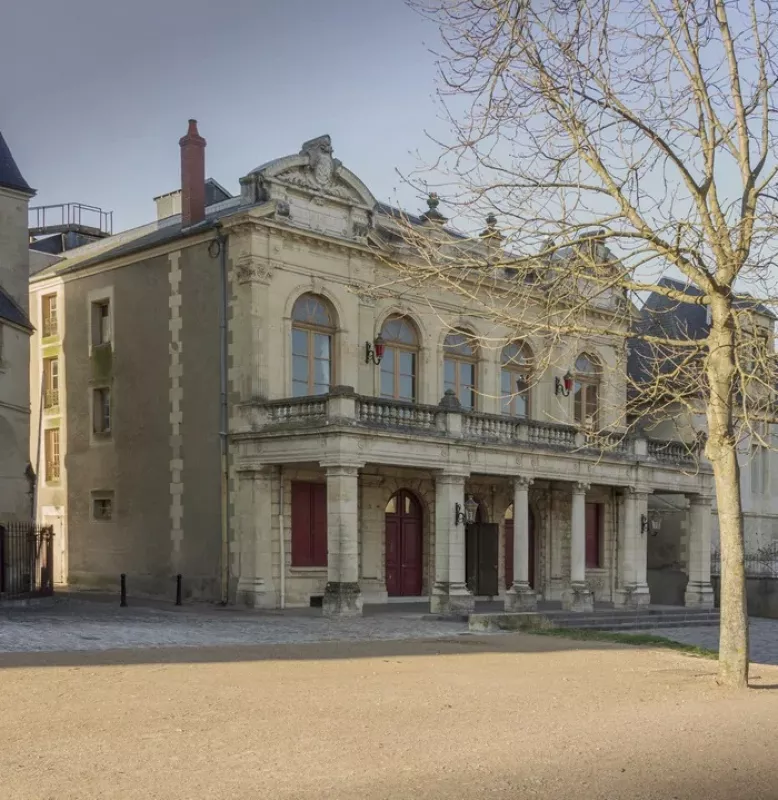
x: 178, y: 589
x: 123, y: 600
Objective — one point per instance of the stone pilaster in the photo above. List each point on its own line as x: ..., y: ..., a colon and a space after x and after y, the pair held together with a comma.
x: 699, y: 592
x: 521, y: 596
x: 255, y: 517
x: 632, y: 591
x: 342, y: 596
x: 450, y: 595
x: 578, y: 597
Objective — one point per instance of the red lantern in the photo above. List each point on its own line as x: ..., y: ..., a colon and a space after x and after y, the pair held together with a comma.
x: 379, y: 346
x: 568, y: 381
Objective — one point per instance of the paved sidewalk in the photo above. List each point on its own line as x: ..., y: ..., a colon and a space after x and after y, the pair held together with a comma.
x: 87, y: 625
x: 764, y: 638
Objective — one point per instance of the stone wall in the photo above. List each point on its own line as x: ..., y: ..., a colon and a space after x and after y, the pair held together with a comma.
x: 762, y: 595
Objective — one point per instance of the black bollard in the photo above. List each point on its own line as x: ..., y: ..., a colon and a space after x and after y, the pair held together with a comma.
x: 123, y: 600
x: 178, y: 589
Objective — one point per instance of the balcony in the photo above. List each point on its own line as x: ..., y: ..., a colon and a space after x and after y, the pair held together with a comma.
x: 343, y: 408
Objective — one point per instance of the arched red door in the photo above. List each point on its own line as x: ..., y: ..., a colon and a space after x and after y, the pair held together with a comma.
x: 509, y: 551
x: 403, y: 546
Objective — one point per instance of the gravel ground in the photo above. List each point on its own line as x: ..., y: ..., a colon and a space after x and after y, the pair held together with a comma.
x: 504, y: 717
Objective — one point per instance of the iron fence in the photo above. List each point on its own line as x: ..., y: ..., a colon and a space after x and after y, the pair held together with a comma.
x: 26, y: 560
x: 762, y: 563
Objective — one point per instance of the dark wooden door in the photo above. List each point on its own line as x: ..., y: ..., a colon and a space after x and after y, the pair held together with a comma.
x: 509, y: 551
x: 404, y: 547
x: 481, y: 558
x: 593, y: 534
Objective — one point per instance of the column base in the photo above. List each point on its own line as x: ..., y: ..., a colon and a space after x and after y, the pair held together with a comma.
x: 698, y: 595
x: 451, y: 600
x: 254, y: 593
x: 342, y: 600
x: 632, y: 596
x: 578, y: 597
x: 521, y: 597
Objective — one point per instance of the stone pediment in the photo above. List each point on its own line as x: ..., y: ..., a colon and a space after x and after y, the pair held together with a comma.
x: 315, y: 170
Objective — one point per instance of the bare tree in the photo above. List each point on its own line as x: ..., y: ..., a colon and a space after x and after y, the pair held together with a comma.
x: 620, y: 141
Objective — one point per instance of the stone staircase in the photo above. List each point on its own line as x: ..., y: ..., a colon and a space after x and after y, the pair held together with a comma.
x: 600, y: 620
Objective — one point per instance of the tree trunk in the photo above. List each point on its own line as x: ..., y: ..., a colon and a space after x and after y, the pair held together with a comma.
x: 722, y: 452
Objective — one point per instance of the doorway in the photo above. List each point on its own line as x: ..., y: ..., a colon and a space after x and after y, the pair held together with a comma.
x: 403, y: 546
x: 508, y: 533
x: 482, y: 545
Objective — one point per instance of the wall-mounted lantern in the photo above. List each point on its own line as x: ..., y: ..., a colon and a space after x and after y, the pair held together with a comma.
x: 466, y: 517
x: 564, y: 385
x: 374, y: 352
x: 650, y: 523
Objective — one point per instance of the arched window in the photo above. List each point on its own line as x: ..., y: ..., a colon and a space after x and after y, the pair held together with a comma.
x: 515, y: 379
x: 586, y: 398
x: 459, y: 367
x: 400, y: 360
x: 313, y: 330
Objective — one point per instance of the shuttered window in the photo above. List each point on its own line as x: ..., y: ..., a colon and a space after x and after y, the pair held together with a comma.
x: 593, y: 535
x: 309, y: 524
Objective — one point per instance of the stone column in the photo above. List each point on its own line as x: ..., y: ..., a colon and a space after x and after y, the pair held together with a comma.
x: 342, y: 596
x: 520, y: 596
x: 578, y: 597
x: 632, y: 591
x: 699, y: 592
x: 450, y: 595
x: 255, y: 537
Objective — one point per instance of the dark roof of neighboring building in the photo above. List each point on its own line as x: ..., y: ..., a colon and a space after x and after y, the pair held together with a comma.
x: 10, y: 176
x: 11, y: 312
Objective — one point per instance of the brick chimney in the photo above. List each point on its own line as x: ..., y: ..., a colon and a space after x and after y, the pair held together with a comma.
x: 192, y: 176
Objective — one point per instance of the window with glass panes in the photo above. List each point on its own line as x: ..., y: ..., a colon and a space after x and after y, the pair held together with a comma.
x: 514, y: 379
x: 459, y: 367
x: 313, y: 331
x: 586, y: 396
x: 400, y: 359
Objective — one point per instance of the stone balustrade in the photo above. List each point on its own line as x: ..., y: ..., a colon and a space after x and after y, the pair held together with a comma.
x: 344, y: 407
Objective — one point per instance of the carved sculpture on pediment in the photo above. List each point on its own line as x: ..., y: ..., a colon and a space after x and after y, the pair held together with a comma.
x: 321, y: 172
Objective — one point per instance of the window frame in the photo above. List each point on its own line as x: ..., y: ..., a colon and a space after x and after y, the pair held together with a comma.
x: 51, y: 465
x: 49, y: 320
x: 102, y: 324
x: 588, y: 383
x: 98, y: 392
x: 50, y: 378
x: 312, y: 330
x: 458, y: 360
x: 102, y: 497
x: 517, y: 370
x: 399, y: 347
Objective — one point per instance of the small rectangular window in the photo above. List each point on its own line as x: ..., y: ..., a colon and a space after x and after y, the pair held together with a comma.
x: 50, y: 382
x: 50, y: 316
x: 51, y: 454
x: 101, y: 410
x: 101, y: 322
x: 102, y: 506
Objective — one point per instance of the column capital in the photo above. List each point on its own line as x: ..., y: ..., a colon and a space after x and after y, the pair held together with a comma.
x: 342, y: 468
x: 700, y: 499
x: 635, y: 491
x: 523, y: 482
x: 579, y: 487
x: 452, y: 476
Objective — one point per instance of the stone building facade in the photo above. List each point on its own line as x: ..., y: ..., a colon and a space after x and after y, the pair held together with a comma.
x: 15, y: 330
x: 313, y: 440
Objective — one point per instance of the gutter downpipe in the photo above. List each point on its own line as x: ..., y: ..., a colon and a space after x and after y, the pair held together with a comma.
x: 224, y: 422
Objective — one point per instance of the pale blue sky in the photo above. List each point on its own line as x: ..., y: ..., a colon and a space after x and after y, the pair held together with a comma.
x: 96, y: 93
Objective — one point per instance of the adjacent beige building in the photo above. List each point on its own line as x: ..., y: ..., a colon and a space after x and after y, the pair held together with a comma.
x: 16, y: 478
x: 227, y: 396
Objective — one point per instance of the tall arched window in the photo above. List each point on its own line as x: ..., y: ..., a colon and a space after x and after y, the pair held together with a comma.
x: 400, y: 360
x: 313, y: 330
x: 515, y: 378
x: 459, y: 367
x: 586, y: 398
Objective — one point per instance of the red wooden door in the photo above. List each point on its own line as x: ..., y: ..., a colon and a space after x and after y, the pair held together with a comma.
x: 404, y: 546
x: 509, y: 551
x: 593, y: 529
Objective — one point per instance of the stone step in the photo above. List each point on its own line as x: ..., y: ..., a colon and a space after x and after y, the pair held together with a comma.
x: 640, y: 626
x: 600, y: 620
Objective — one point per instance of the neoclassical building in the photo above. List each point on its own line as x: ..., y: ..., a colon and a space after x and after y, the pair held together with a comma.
x: 241, y: 403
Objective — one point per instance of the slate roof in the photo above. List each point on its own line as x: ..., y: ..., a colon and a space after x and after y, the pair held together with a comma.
x: 10, y: 176
x: 11, y: 312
